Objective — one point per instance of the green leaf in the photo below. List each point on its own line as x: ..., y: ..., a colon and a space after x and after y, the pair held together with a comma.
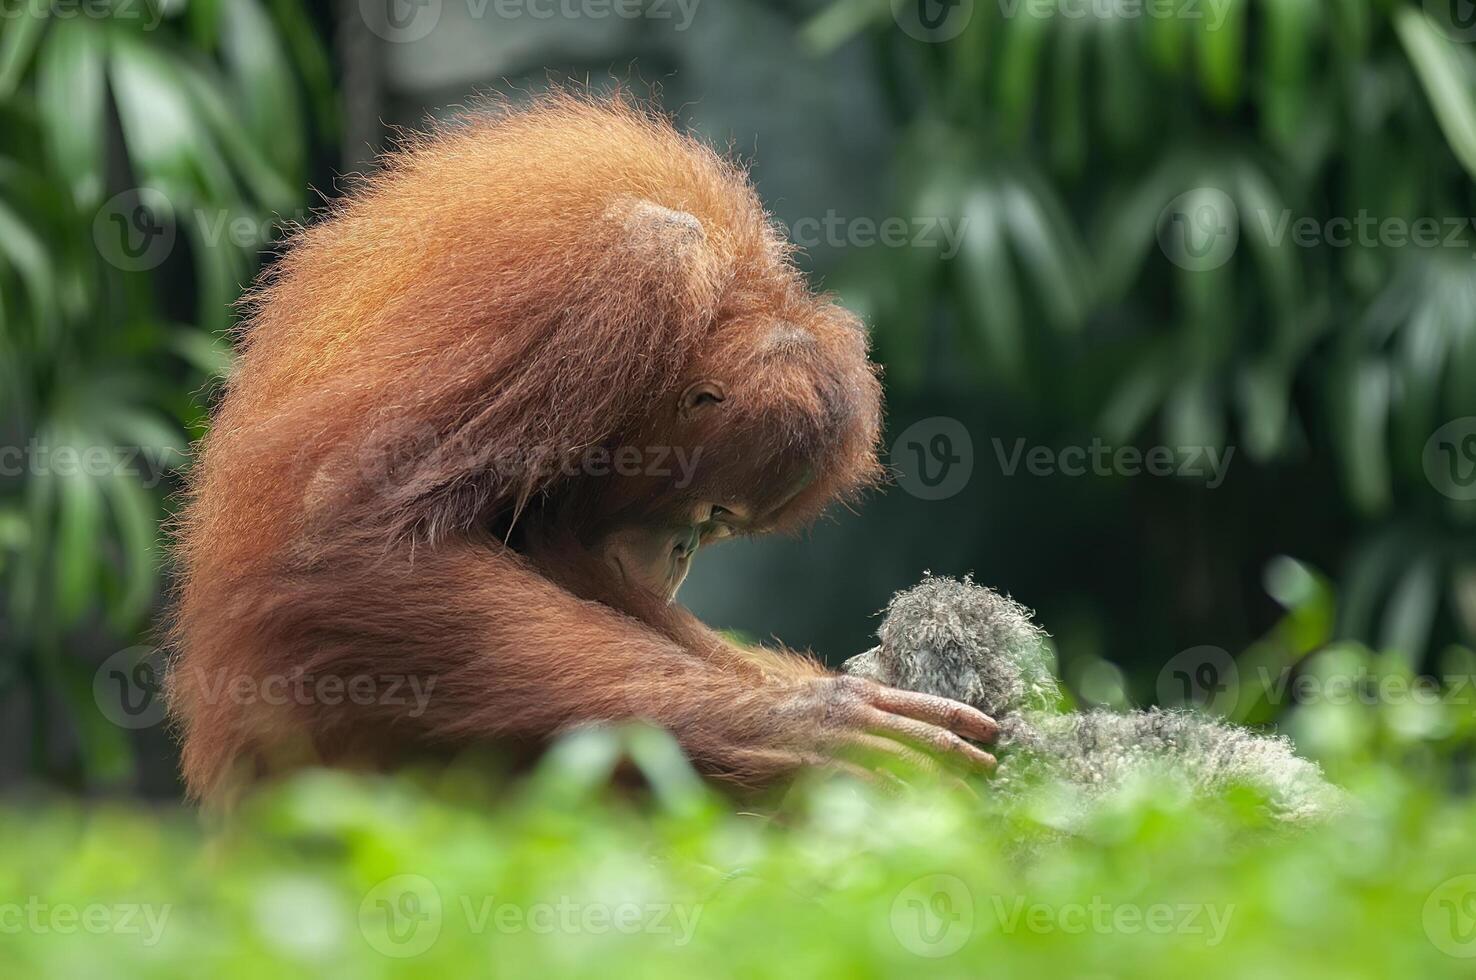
x: 1167, y: 43
x: 70, y: 96
x: 33, y: 261
x: 1129, y: 228
x: 264, y: 85
x: 994, y: 302
x: 839, y: 22
x: 146, y: 430
x: 267, y: 185
x: 1411, y: 611
x: 203, y: 19
x: 169, y: 146
x: 1445, y: 70
x: 1068, y: 112
x: 1120, y: 83
x: 78, y: 539
x: 205, y: 352
x: 1023, y: 43
x: 311, y: 59
x: 1047, y: 247
x: 1264, y: 394
x: 22, y: 32
x: 1221, y: 47
x: 1363, y: 408
x: 1290, y: 29
x: 136, y: 517
x: 1135, y: 398
x: 1261, y: 208
x: 1192, y: 415
x: 107, y: 753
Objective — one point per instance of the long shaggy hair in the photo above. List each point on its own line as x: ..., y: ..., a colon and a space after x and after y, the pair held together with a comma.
x: 420, y: 372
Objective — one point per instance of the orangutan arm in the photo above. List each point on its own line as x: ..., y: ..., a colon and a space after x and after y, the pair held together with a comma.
x: 549, y: 662
x: 501, y: 652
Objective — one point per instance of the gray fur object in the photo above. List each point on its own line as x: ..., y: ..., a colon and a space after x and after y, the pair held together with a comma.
x: 966, y: 642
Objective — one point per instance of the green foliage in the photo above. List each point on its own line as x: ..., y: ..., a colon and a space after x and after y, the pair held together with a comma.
x: 1074, y: 142
x: 146, y: 149
x: 568, y: 871
x: 556, y: 874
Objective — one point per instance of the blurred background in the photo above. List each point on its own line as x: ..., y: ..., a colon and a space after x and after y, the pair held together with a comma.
x: 1176, y: 301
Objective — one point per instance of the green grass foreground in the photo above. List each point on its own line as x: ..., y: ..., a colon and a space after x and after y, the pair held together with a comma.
x: 332, y: 875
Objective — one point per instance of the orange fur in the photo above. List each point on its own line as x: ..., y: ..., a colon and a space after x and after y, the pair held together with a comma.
x: 522, y: 284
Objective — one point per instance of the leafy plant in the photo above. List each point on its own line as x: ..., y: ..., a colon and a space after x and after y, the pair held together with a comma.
x: 1087, y: 149
x: 146, y: 150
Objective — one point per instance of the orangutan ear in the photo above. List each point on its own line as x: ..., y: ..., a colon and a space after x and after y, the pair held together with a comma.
x: 699, y: 397
x: 651, y: 226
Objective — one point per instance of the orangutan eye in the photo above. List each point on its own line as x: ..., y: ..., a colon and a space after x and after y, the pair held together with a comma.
x: 699, y: 396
